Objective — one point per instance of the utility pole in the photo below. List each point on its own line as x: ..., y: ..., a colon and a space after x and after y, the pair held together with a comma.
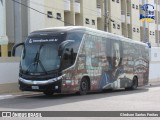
x: 106, y: 15
x: 144, y: 23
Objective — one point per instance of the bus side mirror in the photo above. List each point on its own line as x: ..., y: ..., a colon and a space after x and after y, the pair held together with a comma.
x: 15, y: 47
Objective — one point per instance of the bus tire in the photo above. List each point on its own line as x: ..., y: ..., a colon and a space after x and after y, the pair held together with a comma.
x: 84, y: 86
x: 134, y: 84
x: 48, y: 93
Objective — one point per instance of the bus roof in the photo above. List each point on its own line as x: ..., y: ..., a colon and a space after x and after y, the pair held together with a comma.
x: 90, y: 30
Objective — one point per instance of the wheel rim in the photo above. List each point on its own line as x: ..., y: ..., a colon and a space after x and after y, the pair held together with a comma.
x: 84, y: 86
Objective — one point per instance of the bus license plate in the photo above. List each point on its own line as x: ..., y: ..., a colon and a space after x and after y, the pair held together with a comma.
x: 35, y: 87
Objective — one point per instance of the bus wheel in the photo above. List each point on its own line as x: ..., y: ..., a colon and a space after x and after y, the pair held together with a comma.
x: 84, y: 86
x: 134, y: 83
x: 48, y: 93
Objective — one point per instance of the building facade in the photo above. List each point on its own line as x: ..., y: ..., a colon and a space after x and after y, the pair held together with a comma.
x: 20, y: 17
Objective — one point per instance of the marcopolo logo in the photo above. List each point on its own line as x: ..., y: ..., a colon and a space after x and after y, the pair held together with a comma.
x: 148, y: 13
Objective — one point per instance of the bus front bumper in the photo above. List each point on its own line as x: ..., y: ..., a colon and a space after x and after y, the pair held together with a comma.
x: 40, y: 82
x: 41, y: 86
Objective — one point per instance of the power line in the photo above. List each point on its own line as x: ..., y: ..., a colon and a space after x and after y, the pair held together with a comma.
x: 84, y: 8
x: 40, y: 11
x: 52, y: 7
x: 62, y: 20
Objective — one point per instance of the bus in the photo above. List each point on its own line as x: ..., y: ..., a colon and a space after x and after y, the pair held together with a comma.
x: 77, y: 59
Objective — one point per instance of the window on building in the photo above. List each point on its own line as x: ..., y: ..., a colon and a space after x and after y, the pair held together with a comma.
x: 114, y: 25
x: 49, y: 14
x: 137, y: 7
x: 93, y: 22
x: 118, y: 26
x: 98, y: 6
x: 150, y: 32
x: 113, y: 0
x: 137, y: 30
x: 59, y: 16
x: 134, y: 29
x: 153, y: 33
x: 117, y: 1
x: 133, y: 6
x: 128, y: 14
x: 87, y: 21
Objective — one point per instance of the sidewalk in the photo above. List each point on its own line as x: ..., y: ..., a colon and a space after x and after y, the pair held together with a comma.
x: 154, y: 83
x: 9, y: 88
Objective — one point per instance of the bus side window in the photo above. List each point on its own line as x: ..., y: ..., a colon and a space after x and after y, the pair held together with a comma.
x: 108, y: 53
x: 71, y: 49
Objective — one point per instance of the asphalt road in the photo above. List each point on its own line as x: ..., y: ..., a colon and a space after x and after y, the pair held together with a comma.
x: 142, y: 99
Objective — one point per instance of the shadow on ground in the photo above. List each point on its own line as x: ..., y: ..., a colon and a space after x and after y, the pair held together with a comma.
x: 33, y: 101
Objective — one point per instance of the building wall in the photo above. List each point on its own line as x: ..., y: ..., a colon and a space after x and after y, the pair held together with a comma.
x: 90, y: 13
x: 152, y: 26
x: 114, y: 9
x: 57, y: 7
x: 69, y: 15
x: 79, y: 21
x: 100, y: 15
x: 135, y: 22
x: 121, y: 17
x: 154, y: 75
x: 10, y: 21
x: 35, y: 19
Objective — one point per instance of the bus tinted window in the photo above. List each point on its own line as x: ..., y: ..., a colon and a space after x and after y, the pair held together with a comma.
x: 71, y: 49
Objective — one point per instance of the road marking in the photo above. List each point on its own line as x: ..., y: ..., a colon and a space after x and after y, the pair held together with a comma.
x: 2, y: 97
x: 6, y: 96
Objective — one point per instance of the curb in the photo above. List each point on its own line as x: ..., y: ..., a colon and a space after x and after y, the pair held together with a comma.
x: 9, y: 88
x: 156, y: 83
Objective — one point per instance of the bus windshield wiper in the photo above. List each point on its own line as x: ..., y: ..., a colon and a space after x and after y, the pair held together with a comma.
x: 38, y: 61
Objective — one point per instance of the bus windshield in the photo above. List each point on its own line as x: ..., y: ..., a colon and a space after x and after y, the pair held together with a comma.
x: 46, y: 53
